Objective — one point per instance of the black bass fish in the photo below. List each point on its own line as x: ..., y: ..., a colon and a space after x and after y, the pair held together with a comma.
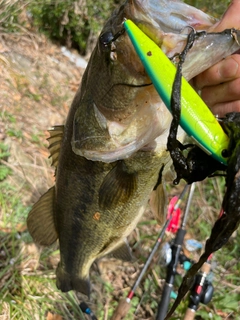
x: 111, y: 153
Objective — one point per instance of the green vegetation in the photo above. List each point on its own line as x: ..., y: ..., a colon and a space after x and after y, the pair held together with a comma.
x: 26, y: 294
x: 4, y: 153
x: 214, y: 7
x: 73, y: 23
x: 10, y: 12
x: 27, y: 273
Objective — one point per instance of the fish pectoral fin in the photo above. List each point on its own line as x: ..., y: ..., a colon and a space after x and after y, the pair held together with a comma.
x: 117, y: 187
x: 123, y: 252
x: 55, y: 140
x: 40, y: 221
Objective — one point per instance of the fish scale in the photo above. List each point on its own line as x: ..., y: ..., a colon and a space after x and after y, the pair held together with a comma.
x: 113, y: 148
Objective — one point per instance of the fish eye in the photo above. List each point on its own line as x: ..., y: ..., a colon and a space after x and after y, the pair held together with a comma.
x: 106, y: 38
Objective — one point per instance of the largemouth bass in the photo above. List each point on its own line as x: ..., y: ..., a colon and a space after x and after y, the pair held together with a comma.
x: 111, y: 153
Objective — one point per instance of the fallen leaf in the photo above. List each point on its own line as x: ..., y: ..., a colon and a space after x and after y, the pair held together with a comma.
x: 51, y: 316
x: 32, y: 89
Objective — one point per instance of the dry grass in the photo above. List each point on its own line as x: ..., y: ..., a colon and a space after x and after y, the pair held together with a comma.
x: 37, y: 84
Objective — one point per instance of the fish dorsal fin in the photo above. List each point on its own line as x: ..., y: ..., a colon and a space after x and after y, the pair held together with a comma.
x: 117, y: 187
x: 123, y: 252
x: 40, y: 221
x: 55, y: 140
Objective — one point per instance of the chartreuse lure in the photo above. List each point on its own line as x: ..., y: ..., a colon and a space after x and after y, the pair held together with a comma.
x: 196, y: 118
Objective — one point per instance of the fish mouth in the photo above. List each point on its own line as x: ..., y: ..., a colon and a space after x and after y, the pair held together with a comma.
x: 150, y: 17
x: 179, y: 15
x: 166, y: 22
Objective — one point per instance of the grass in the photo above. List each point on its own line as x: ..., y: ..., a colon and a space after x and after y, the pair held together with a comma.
x: 27, y: 272
x: 214, y: 7
x: 27, y: 293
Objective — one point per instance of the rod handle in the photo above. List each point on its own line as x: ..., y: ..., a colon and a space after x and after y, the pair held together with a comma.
x: 206, y: 268
x: 121, y: 310
x: 189, y: 315
x: 164, y: 303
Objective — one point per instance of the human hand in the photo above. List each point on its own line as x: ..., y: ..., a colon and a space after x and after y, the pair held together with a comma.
x: 220, y: 84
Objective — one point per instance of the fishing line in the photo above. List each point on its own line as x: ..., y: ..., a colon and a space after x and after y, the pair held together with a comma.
x: 176, y: 249
x: 85, y: 309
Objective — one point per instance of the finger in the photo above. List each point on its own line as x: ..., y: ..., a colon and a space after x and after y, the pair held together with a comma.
x: 226, y: 70
x: 222, y: 109
x: 222, y: 93
x: 230, y: 19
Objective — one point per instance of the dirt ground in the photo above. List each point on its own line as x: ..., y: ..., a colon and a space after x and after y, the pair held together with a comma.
x: 37, y: 86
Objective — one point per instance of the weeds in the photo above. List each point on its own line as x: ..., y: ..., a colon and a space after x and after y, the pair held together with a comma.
x: 10, y: 10
x: 4, y: 153
x: 75, y: 24
x: 214, y: 7
x: 28, y: 294
x: 27, y: 273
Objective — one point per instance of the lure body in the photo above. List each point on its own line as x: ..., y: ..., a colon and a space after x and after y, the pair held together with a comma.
x: 196, y: 118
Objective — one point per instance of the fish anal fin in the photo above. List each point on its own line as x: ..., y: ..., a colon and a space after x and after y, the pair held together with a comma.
x: 40, y: 221
x: 122, y: 252
x: 118, y: 187
x: 55, y: 140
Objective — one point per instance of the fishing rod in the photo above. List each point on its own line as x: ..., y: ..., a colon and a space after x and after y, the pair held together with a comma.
x: 172, y: 267
x: 124, y: 304
x: 202, y: 291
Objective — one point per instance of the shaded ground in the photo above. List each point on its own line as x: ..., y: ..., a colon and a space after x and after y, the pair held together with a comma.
x: 37, y: 84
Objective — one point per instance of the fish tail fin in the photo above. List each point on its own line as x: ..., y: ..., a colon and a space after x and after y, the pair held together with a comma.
x: 82, y: 285
x: 40, y: 221
x: 67, y: 282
